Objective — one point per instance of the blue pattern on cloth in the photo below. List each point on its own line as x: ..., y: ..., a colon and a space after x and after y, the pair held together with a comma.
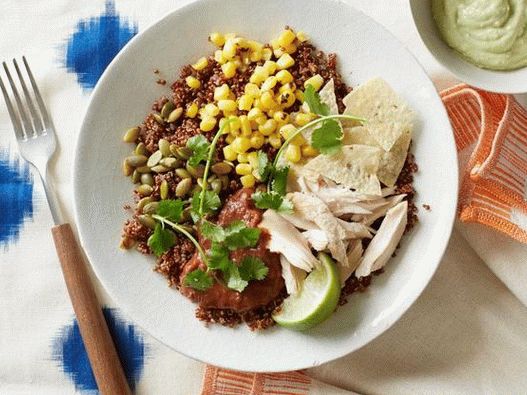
x: 16, y: 197
x: 69, y: 351
x: 95, y: 43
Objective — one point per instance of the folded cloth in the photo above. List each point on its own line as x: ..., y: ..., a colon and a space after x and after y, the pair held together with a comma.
x: 490, y: 131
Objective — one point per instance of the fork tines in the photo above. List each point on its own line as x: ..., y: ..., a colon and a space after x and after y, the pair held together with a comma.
x: 30, y: 117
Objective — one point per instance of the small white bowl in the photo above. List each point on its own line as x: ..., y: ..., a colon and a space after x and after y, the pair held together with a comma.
x: 514, y: 81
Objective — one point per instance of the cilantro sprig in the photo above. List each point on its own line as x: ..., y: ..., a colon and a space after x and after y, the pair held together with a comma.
x: 200, y: 148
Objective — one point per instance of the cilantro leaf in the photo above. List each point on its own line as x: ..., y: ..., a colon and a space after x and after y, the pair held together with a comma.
x: 211, y: 202
x: 218, y: 257
x: 212, y: 232
x: 200, y: 148
x: 199, y: 280
x: 265, y: 167
x: 252, y: 268
x: 161, y: 240
x: 238, y: 235
x: 313, y: 101
x: 328, y: 137
x: 234, y: 279
x: 272, y: 200
x: 170, y: 209
x: 280, y: 180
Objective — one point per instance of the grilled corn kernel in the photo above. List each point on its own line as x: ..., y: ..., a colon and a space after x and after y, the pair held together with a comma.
x: 287, y: 98
x: 281, y: 117
x: 308, y: 150
x: 217, y: 39
x: 254, y: 113
x: 222, y: 92
x: 211, y: 110
x: 269, y: 83
x: 229, y: 49
x: 229, y: 139
x: 241, y: 144
x: 252, y: 158
x: 288, y: 130
x: 268, y: 127
x: 256, y: 55
x: 218, y: 57
x: 285, y: 61
x: 291, y: 48
x: 252, y: 90
x: 234, y: 123
x: 267, y: 101
x: 302, y: 119
x: 245, y: 102
x: 259, y: 75
x: 290, y: 86
x: 278, y: 52
x: 299, y: 95
x: 284, y: 77
x: 229, y: 69
x: 229, y: 153
x: 200, y: 64
x: 275, y: 140
x: 243, y: 169
x: 270, y: 66
x: 267, y: 53
x: 207, y: 123
x: 248, y: 181
x: 242, y: 158
x: 274, y: 43
x: 302, y: 36
x: 245, y: 126
x: 316, y: 81
x: 286, y: 37
x: 192, y: 110
x: 260, y: 120
x: 257, y: 140
x: 192, y: 82
x: 293, y: 153
x: 227, y: 105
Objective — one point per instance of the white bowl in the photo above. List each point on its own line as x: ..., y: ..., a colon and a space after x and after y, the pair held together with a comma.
x: 514, y: 81
x: 123, y: 97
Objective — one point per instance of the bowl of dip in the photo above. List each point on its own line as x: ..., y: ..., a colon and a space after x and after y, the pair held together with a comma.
x: 482, y: 42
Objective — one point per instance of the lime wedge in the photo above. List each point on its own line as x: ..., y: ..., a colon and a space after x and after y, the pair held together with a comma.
x: 316, y: 301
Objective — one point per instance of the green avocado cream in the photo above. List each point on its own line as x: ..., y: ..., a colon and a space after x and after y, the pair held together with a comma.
x: 492, y: 34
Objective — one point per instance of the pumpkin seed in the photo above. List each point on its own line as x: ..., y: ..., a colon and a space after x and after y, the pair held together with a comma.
x: 216, y: 186
x: 185, y: 215
x: 147, y: 179
x: 158, y: 118
x: 196, y: 171
x: 182, y: 173
x: 183, y: 187
x: 127, y: 169
x: 175, y: 115
x: 136, y: 176
x: 126, y: 243
x: 168, y: 107
x: 196, y: 189
x: 200, y: 182
x: 163, y: 189
x: 154, y: 159
x: 183, y: 153
x: 147, y: 221
x: 224, y: 181
x: 143, y: 202
x: 173, y: 148
x: 144, y: 190
x: 164, y: 147
x: 140, y: 149
x: 160, y: 169
x: 143, y: 169
x: 131, y: 135
x: 170, y: 162
x: 150, y: 208
x: 136, y: 160
x: 221, y: 168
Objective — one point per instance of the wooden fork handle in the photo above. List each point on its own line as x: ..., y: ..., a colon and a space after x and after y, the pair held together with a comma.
x: 99, y: 345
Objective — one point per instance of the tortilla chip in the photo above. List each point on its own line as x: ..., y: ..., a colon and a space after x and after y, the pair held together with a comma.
x: 327, y: 96
x: 355, y: 167
x: 387, y: 115
x: 391, y: 162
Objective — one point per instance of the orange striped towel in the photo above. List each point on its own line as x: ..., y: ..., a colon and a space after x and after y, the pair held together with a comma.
x: 491, y: 137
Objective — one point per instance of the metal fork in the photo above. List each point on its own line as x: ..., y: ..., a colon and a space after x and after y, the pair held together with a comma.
x: 36, y: 139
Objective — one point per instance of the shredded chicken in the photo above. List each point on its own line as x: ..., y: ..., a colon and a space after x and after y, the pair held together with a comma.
x: 293, y: 276
x: 380, y: 211
x: 354, y: 255
x: 385, y: 241
x: 288, y: 241
x: 317, y: 238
